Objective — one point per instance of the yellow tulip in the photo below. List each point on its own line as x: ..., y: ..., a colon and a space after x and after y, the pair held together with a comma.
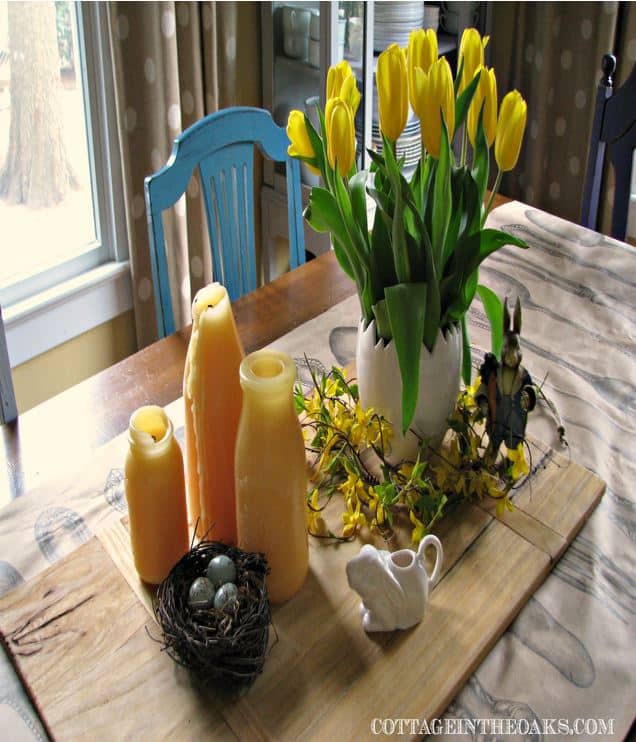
x: 393, y: 96
x: 486, y: 95
x: 422, y: 52
x: 336, y: 76
x: 471, y: 50
x: 341, y: 137
x: 300, y: 144
x: 434, y: 94
x: 341, y: 83
x: 510, y: 128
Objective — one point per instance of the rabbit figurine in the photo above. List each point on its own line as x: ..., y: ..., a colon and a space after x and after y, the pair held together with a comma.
x: 506, y: 394
x: 393, y: 586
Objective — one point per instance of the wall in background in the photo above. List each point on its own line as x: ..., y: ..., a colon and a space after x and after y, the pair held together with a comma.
x: 60, y: 368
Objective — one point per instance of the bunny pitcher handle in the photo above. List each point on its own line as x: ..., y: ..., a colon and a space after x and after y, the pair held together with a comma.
x: 431, y: 540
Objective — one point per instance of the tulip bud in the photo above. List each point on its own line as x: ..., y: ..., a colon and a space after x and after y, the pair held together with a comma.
x: 434, y: 93
x: 422, y: 52
x: 486, y: 95
x: 393, y: 98
x: 300, y: 145
x: 471, y: 50
x: 341, y: 83
x: 341, y: 137
x: 510, y: 128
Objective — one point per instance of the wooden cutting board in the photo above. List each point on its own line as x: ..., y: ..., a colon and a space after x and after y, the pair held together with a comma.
x: 81, y: 633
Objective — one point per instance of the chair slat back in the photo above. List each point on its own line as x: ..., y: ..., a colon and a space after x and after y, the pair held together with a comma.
x: 221, y: 147
x: 227, y: 179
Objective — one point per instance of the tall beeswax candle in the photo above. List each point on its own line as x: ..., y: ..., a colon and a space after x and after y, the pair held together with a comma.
x: 271, y: 472
x: 212, y: 395
x: 155, y: 491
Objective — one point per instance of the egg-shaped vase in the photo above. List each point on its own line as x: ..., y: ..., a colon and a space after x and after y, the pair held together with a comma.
x: 380, y: 386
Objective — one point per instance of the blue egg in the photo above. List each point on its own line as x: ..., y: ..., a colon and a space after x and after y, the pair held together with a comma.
x: 201, y: 593
x: 221, y: 570
x: 225, y: 596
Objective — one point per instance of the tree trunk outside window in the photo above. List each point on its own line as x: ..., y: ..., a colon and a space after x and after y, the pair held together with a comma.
x: 37, y: 171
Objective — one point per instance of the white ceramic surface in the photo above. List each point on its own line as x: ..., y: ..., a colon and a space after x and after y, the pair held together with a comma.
x: 380, y: 386
x: 393, y: 586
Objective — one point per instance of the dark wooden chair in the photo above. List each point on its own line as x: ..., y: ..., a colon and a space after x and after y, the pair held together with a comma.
x: 614, y: 135
x: 8, y: 408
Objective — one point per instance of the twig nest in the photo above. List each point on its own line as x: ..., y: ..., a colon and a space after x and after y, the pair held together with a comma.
x: 222, y: 635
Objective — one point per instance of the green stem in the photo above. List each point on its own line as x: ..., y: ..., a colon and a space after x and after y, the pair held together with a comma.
x: 464, y: 145
x: 493, y: 193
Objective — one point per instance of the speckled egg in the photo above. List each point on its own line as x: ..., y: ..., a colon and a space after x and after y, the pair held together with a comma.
x: 201, y: 593
x: 221, y: 569
x: 225, y: 596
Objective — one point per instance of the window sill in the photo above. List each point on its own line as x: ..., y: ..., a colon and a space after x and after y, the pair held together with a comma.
x: 52, y: 317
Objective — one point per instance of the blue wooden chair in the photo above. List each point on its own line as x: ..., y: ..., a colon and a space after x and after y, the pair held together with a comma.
x: 8, y: 408
x: 221, y: 146
x: 614, y: 130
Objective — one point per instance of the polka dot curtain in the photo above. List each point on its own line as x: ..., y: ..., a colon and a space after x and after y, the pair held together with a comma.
x: 173, y: 64
x: 551, y: 52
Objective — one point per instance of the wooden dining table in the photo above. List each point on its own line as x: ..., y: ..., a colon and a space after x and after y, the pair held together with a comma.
x: 557, y: 644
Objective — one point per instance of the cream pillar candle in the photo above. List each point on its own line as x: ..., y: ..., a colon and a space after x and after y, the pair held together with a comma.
x: 271, y: 472
x: 155, y: 491
x: 212, y: 395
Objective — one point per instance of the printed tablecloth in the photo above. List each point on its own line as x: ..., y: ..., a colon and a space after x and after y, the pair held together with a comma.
x: 570, y: 655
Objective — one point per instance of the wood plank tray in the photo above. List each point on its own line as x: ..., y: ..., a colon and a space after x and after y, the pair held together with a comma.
x: 80, y: 633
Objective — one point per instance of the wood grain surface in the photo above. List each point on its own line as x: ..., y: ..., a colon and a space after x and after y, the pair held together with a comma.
x: 81, y: 633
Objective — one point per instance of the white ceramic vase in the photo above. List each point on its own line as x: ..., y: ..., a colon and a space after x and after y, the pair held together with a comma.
x: 380, y: 385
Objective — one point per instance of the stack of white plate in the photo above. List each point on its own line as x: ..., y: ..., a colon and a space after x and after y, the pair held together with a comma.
x: 394, y: 21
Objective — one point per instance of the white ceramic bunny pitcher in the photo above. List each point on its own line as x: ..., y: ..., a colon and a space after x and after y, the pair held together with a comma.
x: 393, y: 586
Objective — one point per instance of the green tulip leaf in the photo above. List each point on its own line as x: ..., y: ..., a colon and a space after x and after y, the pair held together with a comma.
x: 481, y: 158
x: 382, y: 324
x: 323, y: 214
x: 342, y: 257
x: 442, y: 198
x: 466, y: 353
x: 317, y: 144
x: 382, y: 269
x: 357, y: 186
x: 464, y: 101
x: 494, y: 311
x: 406, y: 308
x: 458, y: 78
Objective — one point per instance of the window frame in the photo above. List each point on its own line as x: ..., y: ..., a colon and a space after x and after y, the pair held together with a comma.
x: 103, y: 146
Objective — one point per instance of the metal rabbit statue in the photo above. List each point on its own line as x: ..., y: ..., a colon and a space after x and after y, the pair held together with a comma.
x: 506, y: 394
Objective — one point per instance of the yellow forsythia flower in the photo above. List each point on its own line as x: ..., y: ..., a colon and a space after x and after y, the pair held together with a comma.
x: 510, y: 128
x: 422, y: 52
x: 341, y: 135
x: 352, y: 520
x: 393, y: 94
x: 486, y: 95
x: 519, y: 464
x: 471, y: 50
x: 434, y: 93
x: 419, y: 529
x: 300, y: 144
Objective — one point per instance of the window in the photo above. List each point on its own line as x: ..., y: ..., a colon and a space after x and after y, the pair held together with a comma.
x: 59, y: 166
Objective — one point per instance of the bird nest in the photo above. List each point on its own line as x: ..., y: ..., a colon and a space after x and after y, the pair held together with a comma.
x: 213, y: 644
